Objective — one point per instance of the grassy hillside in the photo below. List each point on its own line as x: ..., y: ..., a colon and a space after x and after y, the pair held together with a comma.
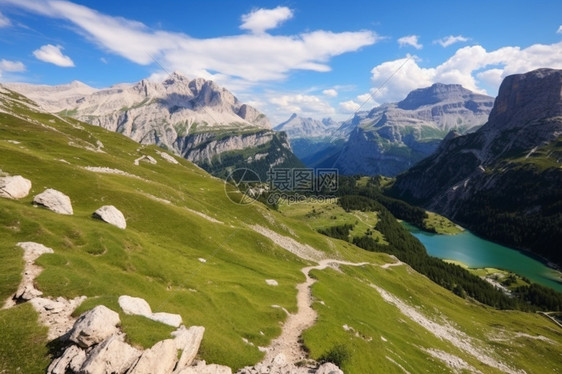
x: 177, y: 214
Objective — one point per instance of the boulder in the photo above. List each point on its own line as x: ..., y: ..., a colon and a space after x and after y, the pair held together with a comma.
x: 111, y: 215
x: 55, y: 201
x: 70, y: 361
x: 272, y: 282
x: 167, y: 318
x: 112, y: 355
x: 14, y: 187
x: 202, y: 368
x: 135, y: 306
x: 146, y: 158
x: 161, y: 358
x: 188, y: 340
x: 94, y: 326
x: 329, y: 368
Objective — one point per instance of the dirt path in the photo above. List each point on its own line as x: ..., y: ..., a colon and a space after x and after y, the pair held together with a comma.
x: 288, y: 342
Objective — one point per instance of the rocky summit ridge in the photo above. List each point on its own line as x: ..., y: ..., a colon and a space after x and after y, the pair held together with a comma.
x: 195, y: 118
x: 391, y: 138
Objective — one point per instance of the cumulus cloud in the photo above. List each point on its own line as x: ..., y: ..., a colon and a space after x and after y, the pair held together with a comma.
x: 473, y: 67
x: 349, y: 106
x: 559, y: 31
x: 246, y: 58
x: 299, y: 103
x: 411, y: 40
x: 4, y: 21
x: 52, y: 54
x: 450, y: 40
x: 330, y: 92
x: 10, y: 66
x: 7, y: 65
x: 260, y: 20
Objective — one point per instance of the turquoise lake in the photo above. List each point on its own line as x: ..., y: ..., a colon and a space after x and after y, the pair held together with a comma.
x: 477, y: 253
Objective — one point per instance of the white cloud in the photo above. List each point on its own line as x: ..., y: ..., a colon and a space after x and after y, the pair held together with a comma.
x: 473, y: 67
x: 52, y: 54
x: 330, y: 92
x: 4, y: 21
x: 364, y: 97
x: 260, y: 20
x: 12, y: 66
x: 242, y: 59
x: 411, y: 40
x: 349, y: 106
x: 299, y: 103
x: 450, y: 40
x: 559, y: 31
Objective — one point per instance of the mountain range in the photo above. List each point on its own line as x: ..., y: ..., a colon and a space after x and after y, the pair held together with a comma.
x: 391, y: 138
x: 503, y: 181
x: 194, y: 118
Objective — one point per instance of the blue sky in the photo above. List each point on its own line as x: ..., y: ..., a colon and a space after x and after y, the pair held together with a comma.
x: 316, y: 58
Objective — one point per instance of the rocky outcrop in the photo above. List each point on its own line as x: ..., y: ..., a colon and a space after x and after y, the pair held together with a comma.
x: 55, y: 201
x: 14, y: 187
x: 111, y: 215
x: 280, y: 365
x: 94, y: 326
x: 393, y: 137
x: 95, y: 345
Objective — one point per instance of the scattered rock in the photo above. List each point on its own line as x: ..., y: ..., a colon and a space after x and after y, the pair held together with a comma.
x: 71, y: 361
x: 55, y: 201
x: 188, y: 340
x: 56, y: 314
x: 167, y: 318
x: 167, y: 157
x: 135, y: 306
x: 146, y: 158
x: 271, y: 282
x: 94, y: 326
x: 202, y: 368
x: 14, y: 187
x: 202, y: 260
x: 329, y: 368
x: 111, y: 215
x: 161, y: 358
x: 112, y: 355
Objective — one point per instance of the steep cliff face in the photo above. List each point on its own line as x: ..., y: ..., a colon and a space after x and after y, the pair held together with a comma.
x: 391, y: 138
x: 504, y: 180
x: 178, y: 114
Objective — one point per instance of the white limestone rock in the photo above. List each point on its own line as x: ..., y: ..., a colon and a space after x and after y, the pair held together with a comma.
x: 170, y: 319
x: 112, y: 355
x: 202, y: 368
x: 94, y: 326
x: 188, y: 340
x: 111, y: 215
x: 70, y: 361
x: 55, y: 201
x: 161, y: 358
x: 14, y: 187
x: 329, y: 368
x: 135, y: 306
x: 272, y: 282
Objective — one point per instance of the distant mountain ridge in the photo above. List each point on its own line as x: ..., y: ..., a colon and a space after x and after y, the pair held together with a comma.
x: 195, y: 118
x: 391, y: 138
x: 505, y: 180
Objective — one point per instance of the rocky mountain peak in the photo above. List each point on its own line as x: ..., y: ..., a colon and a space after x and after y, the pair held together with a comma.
x: 438, y: 92
x: 526, y: 97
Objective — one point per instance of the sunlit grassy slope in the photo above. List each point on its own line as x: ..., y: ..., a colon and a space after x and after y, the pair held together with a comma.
x: 177, y: 215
